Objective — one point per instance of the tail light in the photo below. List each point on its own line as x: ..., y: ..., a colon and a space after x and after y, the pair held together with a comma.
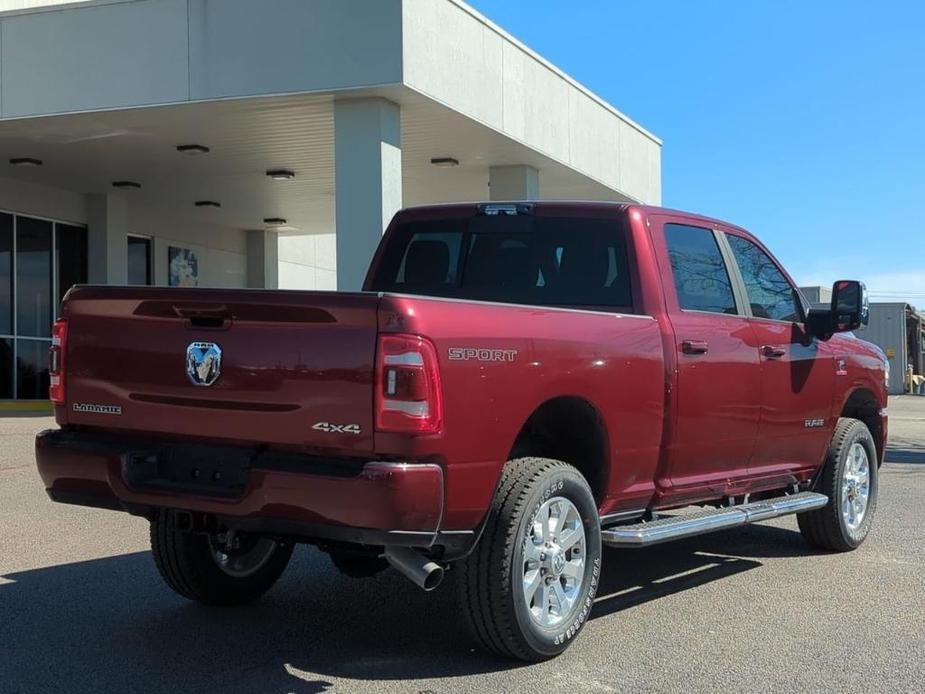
x: 56, y: 361
x: 408, y: 394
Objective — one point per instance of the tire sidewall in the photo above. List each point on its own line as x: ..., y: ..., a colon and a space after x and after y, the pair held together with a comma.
x: 185, y: 561
x: 573, y: 487
x: 861, y: 435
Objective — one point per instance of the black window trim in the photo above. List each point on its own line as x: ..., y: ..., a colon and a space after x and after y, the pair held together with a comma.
x: 741, y: 288
x: 738, y: 290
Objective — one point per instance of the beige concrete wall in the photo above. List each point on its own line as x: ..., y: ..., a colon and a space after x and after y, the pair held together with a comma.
x: 42, y: 201
x: 242, y: 47
x: 9, y: 5
x: 222, y: 251
x: 103, y: 54
x: 308, y: 261
x: 88, y: 57
x: 97, y: 55
x: 501, y: 83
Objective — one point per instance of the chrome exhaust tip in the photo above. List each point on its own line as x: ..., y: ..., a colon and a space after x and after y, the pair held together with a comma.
x: 423, y: 572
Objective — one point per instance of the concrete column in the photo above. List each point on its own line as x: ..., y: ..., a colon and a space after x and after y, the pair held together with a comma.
x: 513, y: 183
x: 107, y: 244
x: 367, y: 182
x: 262, y: 259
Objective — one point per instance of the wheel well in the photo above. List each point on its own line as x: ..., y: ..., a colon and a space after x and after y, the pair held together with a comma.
x: 863, y: 405
x: 569, y: 429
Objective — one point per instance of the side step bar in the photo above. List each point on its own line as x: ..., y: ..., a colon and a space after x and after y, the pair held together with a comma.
x: 667, y: 528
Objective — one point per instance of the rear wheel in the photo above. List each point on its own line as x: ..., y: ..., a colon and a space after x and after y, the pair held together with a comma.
x: 528, y: 587
x: 221, y: 568
x: 849, y: 478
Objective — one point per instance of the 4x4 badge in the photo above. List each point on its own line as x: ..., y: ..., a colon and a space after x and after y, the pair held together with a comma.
x: 329, y: 428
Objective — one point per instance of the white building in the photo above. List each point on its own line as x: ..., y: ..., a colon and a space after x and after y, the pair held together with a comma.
x: 136, y: 132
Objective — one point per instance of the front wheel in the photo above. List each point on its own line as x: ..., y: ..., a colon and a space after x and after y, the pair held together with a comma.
x: 849, y: 477
x: 221, y: 568
x: 528, y: 587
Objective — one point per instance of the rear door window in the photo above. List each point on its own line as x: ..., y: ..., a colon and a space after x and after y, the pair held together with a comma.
x: 549, y: 261
x: 701, y: 278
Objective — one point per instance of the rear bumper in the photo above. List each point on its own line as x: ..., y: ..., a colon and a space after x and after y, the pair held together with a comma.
x: 371, y: 503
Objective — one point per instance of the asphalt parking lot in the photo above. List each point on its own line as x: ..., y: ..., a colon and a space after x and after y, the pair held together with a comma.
x: 82, y: 609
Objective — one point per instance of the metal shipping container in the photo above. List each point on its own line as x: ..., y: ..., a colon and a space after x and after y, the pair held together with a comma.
x: 897, y: 329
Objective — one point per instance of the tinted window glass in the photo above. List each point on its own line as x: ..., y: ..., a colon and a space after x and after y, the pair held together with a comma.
x: 551, y: 261
x: 33, y: 277
x: 769, y: 293
x: 6, y: 275
x: 700, y: 275
x: 431, y: 260
x: 139, y: 260
x: 6, y: 369
x: 32, y: 369
x: 72, y: 257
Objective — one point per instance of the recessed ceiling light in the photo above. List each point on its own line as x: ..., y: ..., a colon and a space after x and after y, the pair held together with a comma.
x: 124, y: 185
x: 207, y: 203
x: 192, y: 149
x: 280, y: 174
x: 25, y: 161
x: 445, y: 162
x: 274, y: 221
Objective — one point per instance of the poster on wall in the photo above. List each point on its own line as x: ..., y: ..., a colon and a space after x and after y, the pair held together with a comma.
x: 184, y: 267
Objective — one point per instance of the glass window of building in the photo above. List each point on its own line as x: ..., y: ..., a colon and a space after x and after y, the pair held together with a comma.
x: 7, y: 361
x: 71, y: 244
x: 6, y: 274
x: 39, y: 261
x: 32, y: 369
x: 33, y: 277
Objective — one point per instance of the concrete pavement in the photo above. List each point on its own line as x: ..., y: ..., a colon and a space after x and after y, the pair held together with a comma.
x: 82, y: 609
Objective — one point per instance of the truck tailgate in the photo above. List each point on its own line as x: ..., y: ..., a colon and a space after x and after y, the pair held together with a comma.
x: 296, y: 368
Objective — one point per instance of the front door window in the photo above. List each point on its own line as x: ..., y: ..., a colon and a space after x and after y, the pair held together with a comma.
x: 770, y: 294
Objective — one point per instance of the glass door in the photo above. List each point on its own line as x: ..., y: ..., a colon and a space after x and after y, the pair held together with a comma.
x: 139, y: 260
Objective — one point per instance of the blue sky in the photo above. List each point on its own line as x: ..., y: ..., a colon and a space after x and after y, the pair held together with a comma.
x: 801, y: 121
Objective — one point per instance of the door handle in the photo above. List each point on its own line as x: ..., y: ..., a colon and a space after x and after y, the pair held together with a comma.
x: 773, y: 351
x: 694, y: 346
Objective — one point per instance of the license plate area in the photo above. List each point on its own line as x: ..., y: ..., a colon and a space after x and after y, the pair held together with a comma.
x: 189, y: 469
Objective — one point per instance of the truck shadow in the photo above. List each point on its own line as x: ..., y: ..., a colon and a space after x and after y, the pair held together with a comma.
x: 111, y: 625
x: 635, y: 576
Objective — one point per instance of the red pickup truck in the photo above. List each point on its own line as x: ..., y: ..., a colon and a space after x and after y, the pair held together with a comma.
x: 517, y: 385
